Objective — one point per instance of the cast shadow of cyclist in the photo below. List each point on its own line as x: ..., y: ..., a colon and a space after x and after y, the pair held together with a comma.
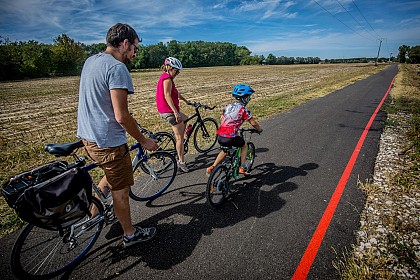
x: 182, y: 226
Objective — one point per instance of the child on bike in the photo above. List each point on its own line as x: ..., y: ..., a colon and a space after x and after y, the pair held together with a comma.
x: 232, y: 118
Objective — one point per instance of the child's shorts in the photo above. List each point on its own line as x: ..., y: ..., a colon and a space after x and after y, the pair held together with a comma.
x: 236, y: 141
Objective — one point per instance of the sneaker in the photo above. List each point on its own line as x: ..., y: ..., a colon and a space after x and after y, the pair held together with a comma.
x: 141, y: 235
x: 183, y: 166
x: 243, y: 171
x: 209, y: 170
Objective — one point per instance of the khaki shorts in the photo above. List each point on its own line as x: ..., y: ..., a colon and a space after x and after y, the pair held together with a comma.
x: 169, y: 117
x: 115, y: 162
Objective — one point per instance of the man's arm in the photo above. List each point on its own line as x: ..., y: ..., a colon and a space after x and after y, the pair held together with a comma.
x: 119, y: 98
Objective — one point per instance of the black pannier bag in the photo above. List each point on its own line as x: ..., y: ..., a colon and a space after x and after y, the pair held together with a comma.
x: 50, y: 196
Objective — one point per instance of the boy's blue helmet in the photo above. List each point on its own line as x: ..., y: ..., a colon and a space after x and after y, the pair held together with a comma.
x: 242, y: 92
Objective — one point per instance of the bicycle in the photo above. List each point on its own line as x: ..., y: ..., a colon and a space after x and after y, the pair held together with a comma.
x: 166, y: 140
x: 221, y: 178
x: 202, y: 130
x: 44, y: 253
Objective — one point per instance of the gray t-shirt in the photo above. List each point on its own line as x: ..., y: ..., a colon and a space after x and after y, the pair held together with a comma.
x: 95, y: 117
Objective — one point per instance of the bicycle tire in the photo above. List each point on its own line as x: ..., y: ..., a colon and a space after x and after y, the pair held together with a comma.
x: 43, y: 254
x: 149, y: 186
x: 217, y: 188
x: 205, y: 135
x: 166, y: 142
x: 250, y: 156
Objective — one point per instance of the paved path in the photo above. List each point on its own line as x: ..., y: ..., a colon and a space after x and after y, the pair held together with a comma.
x: 263, y: 232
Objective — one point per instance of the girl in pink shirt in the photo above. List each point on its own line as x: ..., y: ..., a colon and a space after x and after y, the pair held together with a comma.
x: 167, y: 103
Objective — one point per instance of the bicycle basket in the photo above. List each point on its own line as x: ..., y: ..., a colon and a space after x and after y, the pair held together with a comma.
x: 50, y: 196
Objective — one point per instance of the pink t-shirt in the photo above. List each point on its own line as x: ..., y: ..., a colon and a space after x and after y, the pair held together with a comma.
x: 233, y: 116
x: 161, y: 104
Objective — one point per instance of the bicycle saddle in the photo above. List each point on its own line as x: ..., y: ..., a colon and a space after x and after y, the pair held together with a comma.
x: 62, y: 149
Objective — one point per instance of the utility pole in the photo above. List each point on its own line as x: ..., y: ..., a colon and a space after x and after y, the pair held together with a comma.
x: 380, y: 43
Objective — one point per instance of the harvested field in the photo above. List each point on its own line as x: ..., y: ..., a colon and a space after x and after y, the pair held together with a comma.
x: 36, y: 112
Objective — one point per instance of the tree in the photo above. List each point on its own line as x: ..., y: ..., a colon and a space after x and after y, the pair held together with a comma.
x: 271, y: 59
x: 156, y: 55
x: 94, y: 49
x: 241, y: 53
x: 67, y: 56
x: 36, y: 59
x: 10, y: 60
x: 414, y: 55
x: 403, y: 51
x: 173, y: 48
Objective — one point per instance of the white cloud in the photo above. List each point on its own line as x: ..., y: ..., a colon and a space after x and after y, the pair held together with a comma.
x: 283, y: 25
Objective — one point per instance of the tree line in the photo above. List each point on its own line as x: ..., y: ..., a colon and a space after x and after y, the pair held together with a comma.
x: 407, y: 54
x: 65, y: 57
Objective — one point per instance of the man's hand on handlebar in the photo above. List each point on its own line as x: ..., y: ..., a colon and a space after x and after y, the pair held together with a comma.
x: 149, y: 144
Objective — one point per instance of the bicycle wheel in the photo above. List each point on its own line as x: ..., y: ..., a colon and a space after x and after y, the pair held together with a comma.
x: 217, y: 187
x: 153, y: 176
x: 166, y: 142
x: 42, y: 254
x: 205, y: 135
x: 250, y: 156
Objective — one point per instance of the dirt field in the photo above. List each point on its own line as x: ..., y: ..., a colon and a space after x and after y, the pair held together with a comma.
x: 36, y: 112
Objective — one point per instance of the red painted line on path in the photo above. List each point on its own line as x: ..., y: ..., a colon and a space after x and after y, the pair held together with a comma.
x: 309, y: 256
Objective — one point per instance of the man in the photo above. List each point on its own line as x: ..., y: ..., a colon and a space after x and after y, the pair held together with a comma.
x: 104, y: 119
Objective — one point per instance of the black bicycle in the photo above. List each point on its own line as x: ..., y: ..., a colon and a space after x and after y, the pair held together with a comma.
x: 202, y: 130
x: 222, y: 177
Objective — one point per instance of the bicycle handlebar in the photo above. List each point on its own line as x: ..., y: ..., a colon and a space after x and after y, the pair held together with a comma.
x: 198, y: 105
x: 251, y: 130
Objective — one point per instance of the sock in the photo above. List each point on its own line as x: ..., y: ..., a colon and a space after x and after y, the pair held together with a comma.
x: 132, y: 235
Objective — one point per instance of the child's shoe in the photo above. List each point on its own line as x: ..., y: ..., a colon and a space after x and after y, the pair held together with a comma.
x: 242, y: 170
x: 209, y: 170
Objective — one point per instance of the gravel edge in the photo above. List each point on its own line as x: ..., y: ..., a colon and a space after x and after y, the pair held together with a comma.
x: 390, y: 221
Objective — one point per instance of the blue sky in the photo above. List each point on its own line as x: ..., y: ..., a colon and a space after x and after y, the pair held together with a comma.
x: 318, y: 28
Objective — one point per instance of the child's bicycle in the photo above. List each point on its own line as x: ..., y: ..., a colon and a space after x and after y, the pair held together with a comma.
x: 223, y: 175
x: 202, y: 130
x: 44, y: 253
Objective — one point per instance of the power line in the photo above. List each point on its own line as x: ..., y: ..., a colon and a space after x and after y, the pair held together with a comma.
x: 341, y: 21
x: 357, y: 21
x: 365, y: 18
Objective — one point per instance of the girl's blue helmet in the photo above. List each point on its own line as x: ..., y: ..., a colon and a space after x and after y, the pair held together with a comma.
x: 242, y: 92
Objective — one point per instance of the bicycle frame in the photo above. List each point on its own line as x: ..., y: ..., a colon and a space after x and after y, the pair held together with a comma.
x: 141, y: 156
x: 194, y: 125
x: 233, y: 160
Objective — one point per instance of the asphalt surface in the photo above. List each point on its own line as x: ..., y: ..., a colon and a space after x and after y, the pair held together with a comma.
x: 263, y: 231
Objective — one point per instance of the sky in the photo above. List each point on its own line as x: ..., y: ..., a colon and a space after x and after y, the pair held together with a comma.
x: 292, y: 28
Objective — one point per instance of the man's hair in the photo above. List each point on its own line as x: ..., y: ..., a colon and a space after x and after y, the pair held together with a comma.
x: 119, y: 32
